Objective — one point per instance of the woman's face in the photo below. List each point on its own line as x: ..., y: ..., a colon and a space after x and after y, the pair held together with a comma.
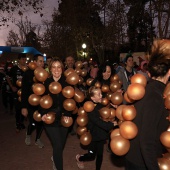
x: 107, y: 73
x: 56, y: 70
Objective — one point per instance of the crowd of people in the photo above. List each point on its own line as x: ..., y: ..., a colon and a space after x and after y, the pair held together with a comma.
x: 151, y: 113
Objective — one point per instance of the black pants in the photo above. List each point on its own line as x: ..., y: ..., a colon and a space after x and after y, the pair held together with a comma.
x: 95, y: 151
x: 131, y: 166
x: 8, y: 100
x: 34, y: 125
x: 57, y: 136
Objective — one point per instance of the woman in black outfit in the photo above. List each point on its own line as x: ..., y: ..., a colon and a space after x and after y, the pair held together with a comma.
x: 151, y: 121
x: 55, y: 131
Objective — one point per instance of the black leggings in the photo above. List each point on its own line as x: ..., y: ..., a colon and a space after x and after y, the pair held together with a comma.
x: 95, y: 151
x: 57, y: 136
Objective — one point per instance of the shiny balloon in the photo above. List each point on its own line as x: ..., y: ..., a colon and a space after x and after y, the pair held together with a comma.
x: 37, y: 116
x: 97, y: 84
x: 24, y: 68
x: 34, y: 99
x: 19, y: 82
x: 128, y: 129
x: 139, y: 78
x: 127, y: 99
x: 38, y: 88
x: 78, y: 95
x: 35, y: 80
x: 81, y: 80
x: 136, y: 91
x: 83, y: 72
x: 50, y: 118
x: 72, y: 79
x: 129, y: 112
x: 105, y: 88
x: 19, y: 98
x: 105, y: 101
x: 81, y: 130
x: 88, y: 106
x: 115, y: 132
x: 78, y: 71
x: 86, y: 138
x: 89, y: 81
x: 117, y: 98
x: 167, y: 90
x: 163, y: 163
x: 119, y: 112
x: 32, y: 65
x: 19, y: 92
x: 115, y: 77
x: 68, y: 92
x: 105, y: 112
x: 41, y: 74
x: 68, y: 71
x: 82, y: 112
x: 114, y: 86
x: 112, y: 113
x: 109, y: 95
x: 55, y: 87
x: 46, y: 101
x: 68, y: 122
x: 165, y: 139
x: 119, y: 145
x: 69, y: 104
x: 78, y: 64
x: 82, y: 120
x: 167, y: 102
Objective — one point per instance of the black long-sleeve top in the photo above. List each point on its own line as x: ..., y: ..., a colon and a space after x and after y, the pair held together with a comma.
x: 57, y: 99
x: 98, y: 128
x: 151, y: 121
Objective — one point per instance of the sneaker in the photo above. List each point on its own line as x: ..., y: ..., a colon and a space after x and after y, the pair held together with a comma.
x: 54, y: 168
x: 80, y: 164
x: 28, y: 140
x: 52, y: 159
x: 39, y: 143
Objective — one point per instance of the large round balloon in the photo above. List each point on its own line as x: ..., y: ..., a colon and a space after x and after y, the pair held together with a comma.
x: 112, y: 113
x: 109, y: 95
x: 139, y: 78
x: 34, y: 99
x: 69, y: 104
x: 68, y: 92
x: 86, y: 138
x: 24, y: 68
x: 129, y: 112
x: 68, y: 122
x: 78, y: 95
x: 115, y: 77
x: 37, y: 116
x: 135, y: 91
x: 105, y: 101
x: 19, y: 92
x: 165, y: 139
x: 78, y: 64
x: 105, y: 112
x: 55, y: 87
x: 68, y: 72
x: 32, y: 65
x: 128, y: 129
x: 97, y: 84
x: 117, y: 98
x: 82, y: 112
x: 167, y: 102
x: 88, y: 106
x: 119, y: 145
x: 164, y: 164
x: 115, y: 132
x: 41, y: 74
x: 81, y: 130
x: 119, y: 112
x: 72, y: 78
x: 78, y: 71
x: 89, y: 81
x: 50, y: 118
x: 38, y: 88
x: 105, y: 88
x: 19, y: 82
x: 46, y: 102
x: 82, y: 120
x: 127, y: 99
x: 83, y: 72
x: 114, y: 86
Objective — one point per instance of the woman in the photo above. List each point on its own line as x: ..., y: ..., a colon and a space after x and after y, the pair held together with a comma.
x: 55, y: 131
x: 151, y: 121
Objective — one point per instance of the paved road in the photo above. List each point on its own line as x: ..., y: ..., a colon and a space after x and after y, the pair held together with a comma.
x: 15, y: 155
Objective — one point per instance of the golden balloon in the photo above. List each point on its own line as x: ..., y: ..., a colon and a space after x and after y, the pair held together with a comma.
x: 88, y: 106
x: 119, y: 112
x: 72, y: 78
x: 34, y: 99
x: 82, y: 112
x: 165, y: 139
x: 55, y: 87
x: 32, y: 65
x: 68, y: 72
x: 115, y: 132
x: 69, y: 104
x: 82, y: 120
x: 37, y: 116
x: 86, y: 138
x: 41, y: 74
x: 50, y: 118
x: 129, y: 112
x: 139, y: 78
x: 105, y: 112
x: 117, y: 98
x: 68, y: 92
x: 81, y: 130
x: 105, y: 88
x: 38, y: 88
x: 46, y: 102
x: 114, y: 86
x: 66, y: 122
x: 78, y: 95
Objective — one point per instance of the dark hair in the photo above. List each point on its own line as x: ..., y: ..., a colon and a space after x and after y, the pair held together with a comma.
x: 159, y: 61
x: 21, y: 55
x: 126, y: 58
x: 35, y: 57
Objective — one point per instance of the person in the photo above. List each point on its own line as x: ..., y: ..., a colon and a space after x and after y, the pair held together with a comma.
x: 55, y: 131
x: 48, y: 60
x: 69, y: 62
x: 15, y: 74
x: 151, y: 120
x: 99, y: 130
x: 28, y: 109
x: 127, y: 72
x: 144, y: 69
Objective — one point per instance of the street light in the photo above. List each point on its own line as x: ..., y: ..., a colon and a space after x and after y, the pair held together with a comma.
x: 84, y: 47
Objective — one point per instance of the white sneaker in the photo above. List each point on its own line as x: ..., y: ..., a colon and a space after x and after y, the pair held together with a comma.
x: 39, y: 143
x: 28, y: 140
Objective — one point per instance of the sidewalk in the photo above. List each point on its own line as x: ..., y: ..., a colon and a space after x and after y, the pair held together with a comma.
x: 15, y: 155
